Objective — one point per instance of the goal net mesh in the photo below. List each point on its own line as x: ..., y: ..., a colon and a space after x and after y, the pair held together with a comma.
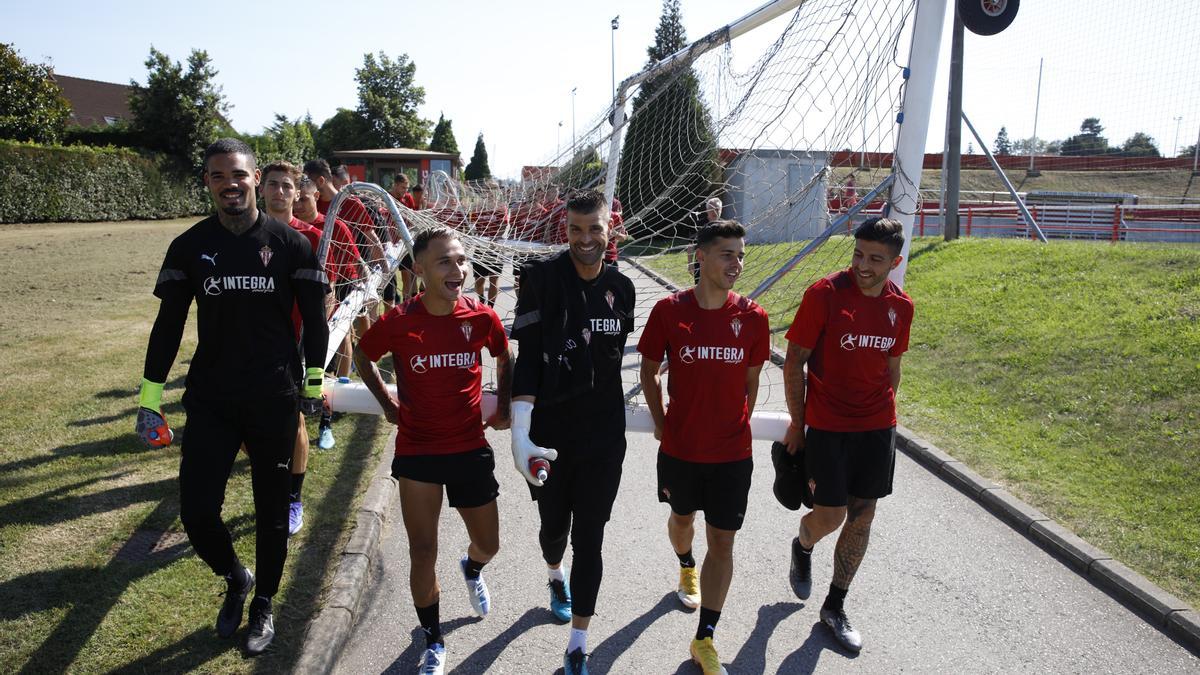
x: 785, y: 125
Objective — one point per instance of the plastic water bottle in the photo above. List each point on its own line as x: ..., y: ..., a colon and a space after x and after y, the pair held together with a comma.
x: 540, y: 468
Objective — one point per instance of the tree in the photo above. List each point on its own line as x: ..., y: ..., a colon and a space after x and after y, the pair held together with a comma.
x: 1035, y: 146
x: 284, y: 140
x: 669, y: 157
x: 1140, y: 145
x: 388, y: 102
x: 1002, y: 146
x: 443, y: 137
x: 584, y: 170
x: 179, y: 113
x: 32, y: 107
x: 344, y: 131
x: 1089, y: 142
x: 1189, y: 151
x: 477, y: 168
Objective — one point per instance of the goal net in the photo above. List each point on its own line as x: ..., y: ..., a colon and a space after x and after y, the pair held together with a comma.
x: 792, y: 126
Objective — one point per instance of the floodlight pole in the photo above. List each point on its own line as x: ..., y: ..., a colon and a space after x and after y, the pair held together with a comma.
x: 952, y: 162
x: 573, y: 120
x: 1196, y: 156
x: 1175, y: 146
x: 913, y: 121
x: 1032, y: 172
x: 616, y: 22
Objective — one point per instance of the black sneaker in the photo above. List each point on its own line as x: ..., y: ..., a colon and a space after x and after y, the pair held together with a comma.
x: 843, y: 632
x: 230, y: 616
x: 575, y: 663
x: 262, y: 626
x: 801, y: 574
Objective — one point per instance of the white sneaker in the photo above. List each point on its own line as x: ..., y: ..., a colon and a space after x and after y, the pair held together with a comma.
x: 481, y: 601
x: 433, y: 660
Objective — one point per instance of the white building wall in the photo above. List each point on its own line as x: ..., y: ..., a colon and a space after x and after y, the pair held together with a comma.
x: 778, y: 194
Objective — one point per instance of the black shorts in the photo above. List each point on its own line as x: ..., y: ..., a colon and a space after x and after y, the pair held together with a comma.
x: 484, y: 269
x: 720, y: 489
x: 391, y: 292
x: 585, y: 483
x: 468, y: 476
x: 855, y: 463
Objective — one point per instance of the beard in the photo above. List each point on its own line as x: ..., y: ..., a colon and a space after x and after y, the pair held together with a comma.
x: 586, y: 258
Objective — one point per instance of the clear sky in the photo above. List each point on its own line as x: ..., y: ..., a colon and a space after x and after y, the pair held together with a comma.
x: 507, y: 69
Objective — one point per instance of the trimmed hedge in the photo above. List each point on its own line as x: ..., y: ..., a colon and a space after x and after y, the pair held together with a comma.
x: 40, y: 183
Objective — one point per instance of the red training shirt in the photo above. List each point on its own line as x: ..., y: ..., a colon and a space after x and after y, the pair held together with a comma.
x: 709, y: 352
x: 438, y: 372
x: 343, y: 253
x: 851, y: 335
x: 313, y: 235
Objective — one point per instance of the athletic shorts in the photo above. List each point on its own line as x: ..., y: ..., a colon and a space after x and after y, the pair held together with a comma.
x: 855, y: 463
x: 720, y: 490
x: 391, y: 292
x: 483, y: 269
x: 468, y: 476
x: 584, y: 483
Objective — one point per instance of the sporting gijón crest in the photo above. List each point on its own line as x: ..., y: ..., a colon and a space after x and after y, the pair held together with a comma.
x: 608, y: 295
x: 466, y: 330
x: 265, y: 254
x: 736, y: 325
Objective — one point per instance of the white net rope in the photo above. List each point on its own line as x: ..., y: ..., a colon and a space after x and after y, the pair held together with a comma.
x: 783, y: 125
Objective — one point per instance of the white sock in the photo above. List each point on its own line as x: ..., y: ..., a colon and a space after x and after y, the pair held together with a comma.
x: 557, y: 574
x: 578, y: 641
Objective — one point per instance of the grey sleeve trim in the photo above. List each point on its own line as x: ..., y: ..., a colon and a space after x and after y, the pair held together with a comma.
x: 527, y: 319
x: 311, y: 275
x: 170, y: 275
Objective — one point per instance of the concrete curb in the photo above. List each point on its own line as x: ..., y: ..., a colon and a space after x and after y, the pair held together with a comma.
x: 1161, y: 609
x: 330, y: 629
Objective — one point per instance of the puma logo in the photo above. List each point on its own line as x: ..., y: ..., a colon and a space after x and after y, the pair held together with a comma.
x: 687, y: 326
x: 210, y: 258
x: 848, y: 314
x: 419, y: 337
x: 282, y: 465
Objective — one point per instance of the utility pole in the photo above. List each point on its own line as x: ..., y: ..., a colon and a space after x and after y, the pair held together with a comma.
x: 953, y: 158
x: 1175, y: 146
x: 1032, y: 172
x: 1196, y: 156
x: 616, y: 22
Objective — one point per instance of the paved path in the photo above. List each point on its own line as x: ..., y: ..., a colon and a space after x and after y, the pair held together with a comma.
x: 945, y: 587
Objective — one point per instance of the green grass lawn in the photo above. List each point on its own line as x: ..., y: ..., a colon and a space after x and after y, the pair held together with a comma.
x: 1068, y: 372
x: 75, y: 484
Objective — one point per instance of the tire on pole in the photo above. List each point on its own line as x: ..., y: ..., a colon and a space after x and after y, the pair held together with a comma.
x: 987, y: 17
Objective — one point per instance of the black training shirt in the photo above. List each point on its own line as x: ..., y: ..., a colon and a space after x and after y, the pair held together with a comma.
x: 244, y: 286
x: 595, y: 417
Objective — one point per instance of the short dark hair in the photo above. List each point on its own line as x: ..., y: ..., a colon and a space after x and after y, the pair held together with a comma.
x: 340, y: 172
x: 719, y: 229
x: 287, y: 168
x: 883, y: 230
x: 416, y: 188
x: 584, y: 202
x: 228, y: 146
x: 424, y: 237
x: 317, y: 167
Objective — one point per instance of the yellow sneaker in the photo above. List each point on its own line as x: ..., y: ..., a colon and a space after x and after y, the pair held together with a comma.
x: 689, y: 587
x: 705, y: 655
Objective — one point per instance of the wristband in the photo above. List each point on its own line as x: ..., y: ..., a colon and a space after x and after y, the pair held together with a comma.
x: 150, y: 395
x: 314, y: 379
x: 522, y: 414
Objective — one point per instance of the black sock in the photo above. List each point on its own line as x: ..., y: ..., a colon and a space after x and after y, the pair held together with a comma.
x: 428, y: 617
x: 326, y: 419
x: 239, y: 577
x: 297, y: 485
x: 833, y: 601
x: 798, y: 548
x: 708, y: 622
x: 686, y: 559
x: 473, y: 568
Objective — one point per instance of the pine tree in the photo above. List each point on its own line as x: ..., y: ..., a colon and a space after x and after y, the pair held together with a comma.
x: 1002, y: 146
x: 670, y: 151
x: 443, y: 137
x: 478, y: 169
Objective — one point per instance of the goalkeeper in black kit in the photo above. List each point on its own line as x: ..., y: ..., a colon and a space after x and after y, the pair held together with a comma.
x: 245, y: 271
x: 574, y: 314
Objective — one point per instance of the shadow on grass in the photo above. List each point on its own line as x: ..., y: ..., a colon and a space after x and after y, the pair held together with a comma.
x: 323, y: 529
x: 91, y: 593
x: 168, y: 409
x: 123, y: 392
x: 58, y: 505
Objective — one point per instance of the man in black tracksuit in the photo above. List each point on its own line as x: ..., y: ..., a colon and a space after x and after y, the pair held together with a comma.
x: 245, y: 272
x: 574, y: 314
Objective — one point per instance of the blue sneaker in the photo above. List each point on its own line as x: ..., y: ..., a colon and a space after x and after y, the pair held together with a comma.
x: 326, y: 441
x: 481, y: 601
x: 433, y: 660
x: 295, y: 518
x: 575, y: 663
x: 560, y: 600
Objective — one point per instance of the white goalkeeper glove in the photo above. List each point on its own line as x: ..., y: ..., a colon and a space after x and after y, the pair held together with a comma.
x: 523, y: 449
